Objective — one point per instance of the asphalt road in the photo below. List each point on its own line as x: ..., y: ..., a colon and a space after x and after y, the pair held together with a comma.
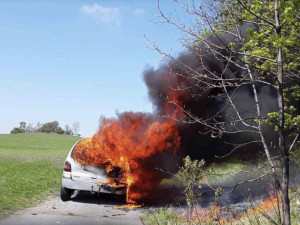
x: 86, y: 209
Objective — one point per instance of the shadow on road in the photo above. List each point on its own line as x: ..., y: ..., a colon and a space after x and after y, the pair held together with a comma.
x: 99, y: 199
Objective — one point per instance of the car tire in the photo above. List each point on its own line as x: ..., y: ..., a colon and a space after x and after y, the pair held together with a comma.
x: 65, y: 194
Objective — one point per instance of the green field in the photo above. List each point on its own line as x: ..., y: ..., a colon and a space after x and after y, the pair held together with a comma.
x: 30, y: 168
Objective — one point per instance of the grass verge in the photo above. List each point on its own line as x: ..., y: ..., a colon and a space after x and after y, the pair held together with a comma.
x: 30, y: 168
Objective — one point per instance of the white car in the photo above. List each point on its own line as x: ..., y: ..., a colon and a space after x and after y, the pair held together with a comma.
x: 86, y: 178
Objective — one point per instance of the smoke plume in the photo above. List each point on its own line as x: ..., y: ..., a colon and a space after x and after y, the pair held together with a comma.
x: 174, y: 79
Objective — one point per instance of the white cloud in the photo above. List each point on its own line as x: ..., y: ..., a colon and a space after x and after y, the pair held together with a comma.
x: 104, y: 14
x: 139, y: 12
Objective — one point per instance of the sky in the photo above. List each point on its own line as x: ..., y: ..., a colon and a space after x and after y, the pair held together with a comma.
x: 71, y: 60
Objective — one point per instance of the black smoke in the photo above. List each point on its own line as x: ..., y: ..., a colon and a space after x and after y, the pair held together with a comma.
x: 205, y: 102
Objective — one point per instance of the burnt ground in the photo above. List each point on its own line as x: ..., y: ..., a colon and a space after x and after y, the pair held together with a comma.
x: 259, y: 189
x: 233, y: 200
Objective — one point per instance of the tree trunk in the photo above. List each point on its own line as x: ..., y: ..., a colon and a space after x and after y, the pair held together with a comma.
x: 283, y: 150
x: 282, y: 145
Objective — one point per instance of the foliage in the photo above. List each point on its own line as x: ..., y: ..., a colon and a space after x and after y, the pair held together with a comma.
x: 50, y: 127
x: 295, y: 155
x: 16, y: 130
x: 259, y: 49
x: 263, y: 43
x: 190, y: 174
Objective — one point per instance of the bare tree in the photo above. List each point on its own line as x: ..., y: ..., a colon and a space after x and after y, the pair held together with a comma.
x: 29, y: 128
x: 68, y: 130
x: 38, y: 126
x: 76, y: 127
x: 246, y: 38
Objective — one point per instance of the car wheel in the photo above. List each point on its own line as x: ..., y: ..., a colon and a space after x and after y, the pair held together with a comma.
x: 65, y: 194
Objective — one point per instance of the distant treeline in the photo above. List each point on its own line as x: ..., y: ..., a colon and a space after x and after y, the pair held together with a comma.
x: 49, y: 127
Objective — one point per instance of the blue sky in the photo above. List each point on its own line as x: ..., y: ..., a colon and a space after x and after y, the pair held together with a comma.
x: 74, y: 60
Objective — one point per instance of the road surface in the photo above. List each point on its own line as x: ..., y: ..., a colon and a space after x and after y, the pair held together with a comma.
x: 85, y: 209
x: 92, y: 209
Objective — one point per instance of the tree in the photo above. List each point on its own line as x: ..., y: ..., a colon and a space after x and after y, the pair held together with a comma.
x: 22, y: 126
x: 29, y: 128
x: 68, y: 130
x: 38, y: 126
x: 59, y: 130
x: 255, y: 45
x: 51, y: 127
x: 76, y: 127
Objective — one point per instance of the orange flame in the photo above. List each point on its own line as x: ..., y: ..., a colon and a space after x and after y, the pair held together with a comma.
x: 265, y: 205
x: 174, y: 107
x: 209, y: 216
x: 199, y: 215
x: 130, y: 143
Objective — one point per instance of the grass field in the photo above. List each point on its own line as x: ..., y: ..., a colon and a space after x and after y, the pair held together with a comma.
x: 30, y: 168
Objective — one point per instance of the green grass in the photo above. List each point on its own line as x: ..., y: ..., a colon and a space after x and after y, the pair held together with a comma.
x: 223, y: 170
x: 30, y: 168
x: 162, y: 216
x: 219, y: 171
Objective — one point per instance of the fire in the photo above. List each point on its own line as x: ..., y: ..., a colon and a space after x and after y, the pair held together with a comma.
x: 133, y: 144
x: 268, y: 204
x: 174, y: 106
x: 260, y: 209
x: 206, y: 216
x: 130, y: 144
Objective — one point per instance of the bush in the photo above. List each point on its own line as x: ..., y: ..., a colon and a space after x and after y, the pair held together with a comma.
x: 16, y: 130
x: 59, y: 130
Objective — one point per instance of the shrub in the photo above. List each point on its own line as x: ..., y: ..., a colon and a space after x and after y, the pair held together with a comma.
x: 16, y: 130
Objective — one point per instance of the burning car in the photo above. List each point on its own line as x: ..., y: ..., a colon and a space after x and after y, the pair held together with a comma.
x: 122, y: 157
x: 88, y: 178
